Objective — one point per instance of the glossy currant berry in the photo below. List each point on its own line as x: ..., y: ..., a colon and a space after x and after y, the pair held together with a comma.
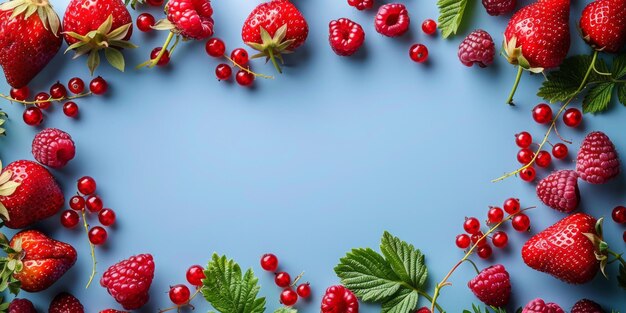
x: 521, y: 222
x: 523, y: 139
x: 288, y: 297
x: 240, y: 56
x: 572, y: 117
x: 165, y: 58
x: 70, y: 109
x: 20, y: 94
x: 543, y: 159
x: 525, y: 155
x: 179, y: 294
x: 98, y: 86
x: 269, y: 262
x: 619, y: 214
x: 560, y: 151
x: 32, y: 116
x: 463, y: 241
x: 195, y: 275
x: 500, y: 239
x: 542, y: 113
x: 69, y: 219
x: 77, y: 203
x: 106, y: 217
x: 418, y: 53
x: 304, y: 290
x: 145, y: 21
x: 43, y: 100
x: 86, y: 185
x: 58, y: 91
x: 97, y: 235
x: 484, y: 252
x: 282, y: 279
x: 511, y: 205
x: 76, y: 85
x: 94, y: 203
x: 215, y: 47
x: 471, y: 225
x: 155, y: 3
x: 223, y: 71
x: 478, y: 239
x: 495, y: 215
x: 528, y: 174
x: 244, y: 78
x: 429, y: 26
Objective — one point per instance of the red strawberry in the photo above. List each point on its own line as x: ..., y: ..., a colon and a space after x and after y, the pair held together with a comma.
x: 21, y: 306
x: 275, y: 28
x: 129, y: 281
x: 65, y: 303
x: 586, y: 306
x: 597, y: 161
x: 560, y: 191
x: 94, y: 25
x: 28, y: 41
x: 603, y: 25
x: 492, y: 286
x: 537, y: 37
x: 37, y: 197
x: 192, y: 18
x: 563, y: 251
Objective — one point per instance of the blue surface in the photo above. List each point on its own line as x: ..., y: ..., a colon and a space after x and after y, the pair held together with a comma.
x: 309, y: 165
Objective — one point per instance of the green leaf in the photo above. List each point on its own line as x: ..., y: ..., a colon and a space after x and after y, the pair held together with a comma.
x: 598, y: 98
x: 93, y: 61
x: 286, y: 310
x: 621, y: 276
x: 115, y: 58
x: 405, y: 260
x: 619, y: 66
x: 621, y: 93
x: 403, y: 302
x: 450, y: 16
x: 561, y: 84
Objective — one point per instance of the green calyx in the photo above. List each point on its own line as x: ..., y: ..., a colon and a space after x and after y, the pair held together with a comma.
x: 103, y: 38
x: 272, y: 48
x: 44, y: 10
x: 7, y: 188
x: 10, y: 264
x: 514, y: 55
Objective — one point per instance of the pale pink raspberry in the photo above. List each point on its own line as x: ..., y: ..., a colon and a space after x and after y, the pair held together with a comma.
x: 477, y: 48
x: 597, y: 160
x: 53, y: 147
x: 560, y: 190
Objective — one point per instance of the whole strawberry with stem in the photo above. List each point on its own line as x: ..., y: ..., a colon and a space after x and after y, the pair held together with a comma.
x: 603, y: 25
x: 94, y: 25
x: 29, y: 39
x: 537, y: 37
x: 275, y: 28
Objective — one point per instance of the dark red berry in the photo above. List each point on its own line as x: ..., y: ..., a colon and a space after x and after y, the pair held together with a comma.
x: 511, y: 205
x: 58, y: 91
x: 76, y: 85
x: 572, y: 117
x: 70, y: 109
x: 477, y: 48
x: 521, y: 222
x: 145, y: 21
x: 560, y: 151
x: 619, y: 214
x: 165, y: 58
x: 269, y: 262
x: 288, y: 297
x: 215, y: 47
x: 69, y: 219
x: 528, y: 174
x: 484, y: 252
x: 244, y: 78
x: 304, y: 290
x: 195, y: 275
x: 77, y: 203
x: 495, y: 215
x: 32, y: 116
x: 94, y: 204
x: 97, y: 235
x: 179, y: 294
x: 155, y: 3
x: 543, y: 159
x: 478, y: 239
x: 106, y: 217
x: 282, y: 279
x: 20, y: 94
x: 463, y: 241
x: 624, y: 236
x: 429, y: 26
x: 500, y: 239
x: 361, y: 4
x: 418, y: 53
x: 345, y: 36
x: 523, y: 139
x: 525, y: 155
x: 240, y: 56
x: 86, y: 185
x: 542, y: 113
x: 392, y: 20
x: 98, y: 86
x: 223, y: 71
x: 471, y: 225
x: 43, y: 100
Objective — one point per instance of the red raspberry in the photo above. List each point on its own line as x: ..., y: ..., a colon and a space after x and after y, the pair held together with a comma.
x: 586, y: 306
x: 361, y: 4
x: 492, y: 286
x: 338, y: 299
x: 477, y: 48
x: 129, y: 281
x: 21, y: 306
x: 423, y: 310
x: 65, y: 303
x: 191, y: 17
x: 540, y: 306
x: 53, y: 147
x: 392, y: 20
x: 560, y: 191
x: 499, y: 7
x: 345, y: 36
x: 597, y: 160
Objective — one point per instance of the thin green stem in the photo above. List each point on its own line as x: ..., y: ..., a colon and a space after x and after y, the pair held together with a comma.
x: 273, y: 58
x: 174, y: 45
x: 188, y: 303
x: 518, y: 77
x: 92, y: 248
x: 47, y: 100
x: 247, y: 69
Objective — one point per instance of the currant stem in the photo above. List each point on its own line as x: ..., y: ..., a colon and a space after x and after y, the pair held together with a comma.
x: 188, y: 303
x: 518, y: 77
x: 47, y: 100
x: 93, y: 250
x: 247, y: 69
x: 153, y: 62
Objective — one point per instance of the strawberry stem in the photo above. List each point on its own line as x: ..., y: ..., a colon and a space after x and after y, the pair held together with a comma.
x: 518, y: 77
x: 93, y: 250
x: 81, y: 95
x: 273, y: 58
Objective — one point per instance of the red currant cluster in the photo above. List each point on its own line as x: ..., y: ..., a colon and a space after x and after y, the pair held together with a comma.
x: 419, y: 52
x: 619, y: 216
x: 33, y: 114
x: 495, y: 218
x: 180, y: 294
x: 216, y: 48
x: 288, y: 296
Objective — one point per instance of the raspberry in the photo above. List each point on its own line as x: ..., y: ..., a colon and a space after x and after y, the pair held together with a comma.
x: 361, y: 4
x: 540, y: 306
x: 560, y: 191
x: 345, y: 36
x: 392, y: 20
x: 586, y: 306
x: 191, y: 17
x: 129, y: 281
x: 492, y: 286
x: 477, y: 48
x: 423, y: 310
x: 65, y: 303
x: 597, y: 160
x: 339, y: 299
x: 499, y: 7
x: 53, y: 147
x: 21, y: 306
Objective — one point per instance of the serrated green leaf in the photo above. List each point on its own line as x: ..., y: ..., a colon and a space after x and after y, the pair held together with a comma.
x: 450, y: 16
x: 621, y: 276
x: 598, y: 98
x: 405, y: 260
x: 621, y: 93
x: 404, y: 301
x: 115, y: 58
x: 561, y: 84
x: 619, y: 66
x: 286, y: 310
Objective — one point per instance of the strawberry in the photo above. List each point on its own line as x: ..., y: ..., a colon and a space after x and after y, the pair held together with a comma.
x: 564, y: 251
x: 603, y: 25
x: 33, y: 194
x: 275, y: 28
x: 98, y: 25
x: 65, y: 303
x: 28, y: 41
x: 537, y: 37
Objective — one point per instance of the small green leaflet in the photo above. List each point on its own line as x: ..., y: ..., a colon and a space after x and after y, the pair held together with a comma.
x: 392, y: 278
x: 621, y: 276
x: 450, y: 16
x: 286, y: 310
x: 3, y: 119
x: 489, y: 309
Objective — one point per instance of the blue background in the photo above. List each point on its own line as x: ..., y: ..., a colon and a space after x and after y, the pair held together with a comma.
x: 320, y: 160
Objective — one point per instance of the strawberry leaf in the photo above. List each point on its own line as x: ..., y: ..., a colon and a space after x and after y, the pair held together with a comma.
x: 115, y: 58
x: 621, y: 276
x: 3, y: 119
x: 286, y: 310
x: 450, y: 16
x: 621, y: 93
x: 561, y: 84
x: 402, y: 302
x: 598, y: 98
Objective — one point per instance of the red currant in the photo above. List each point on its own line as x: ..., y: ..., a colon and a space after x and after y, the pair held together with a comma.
x: 523, y: 139
x: 155, y: 3
x: 559, y: 151
x: 624, y: 236
x: 429, y: 26
x: 145, y: 21
x: 195, y: 275
x: 240, y: 56
x: 471, y: 225
x: 282, y: 279
x: 418, y: 53
x: 543, y: 159
x: 304, y: 290
x: 542, y: 113
x: 528, y: 174
x: 521, y: 222
x: 495, y: 215
x: 215, y: 47
x: 98, y: 86
x: 269, y: 262
x: 572, y: 117
x: 223, y: 71
x: 70, y: 109
x: 478, y: 239
x: 32, y: 116
x: 165, y: 58
x: 525, y: 155
x: 76, y: 85
x: 97, y: 235
x: 244, y: 78
x: 511, y: 205
x: 86, y: 185
x: 423, y: 310
x: 500, y: 239
x: 288, y: 297
x: 43, y: 100
x: 484, y: 252
x: 179, y: 294
x: 20, y: 94
x: 58, y: 91
x: 106, y: 217
x: 77, y: 203
x: 619, y: 214
x: 69, y: 219
x: 463, y: 241
x: 94, y: 203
